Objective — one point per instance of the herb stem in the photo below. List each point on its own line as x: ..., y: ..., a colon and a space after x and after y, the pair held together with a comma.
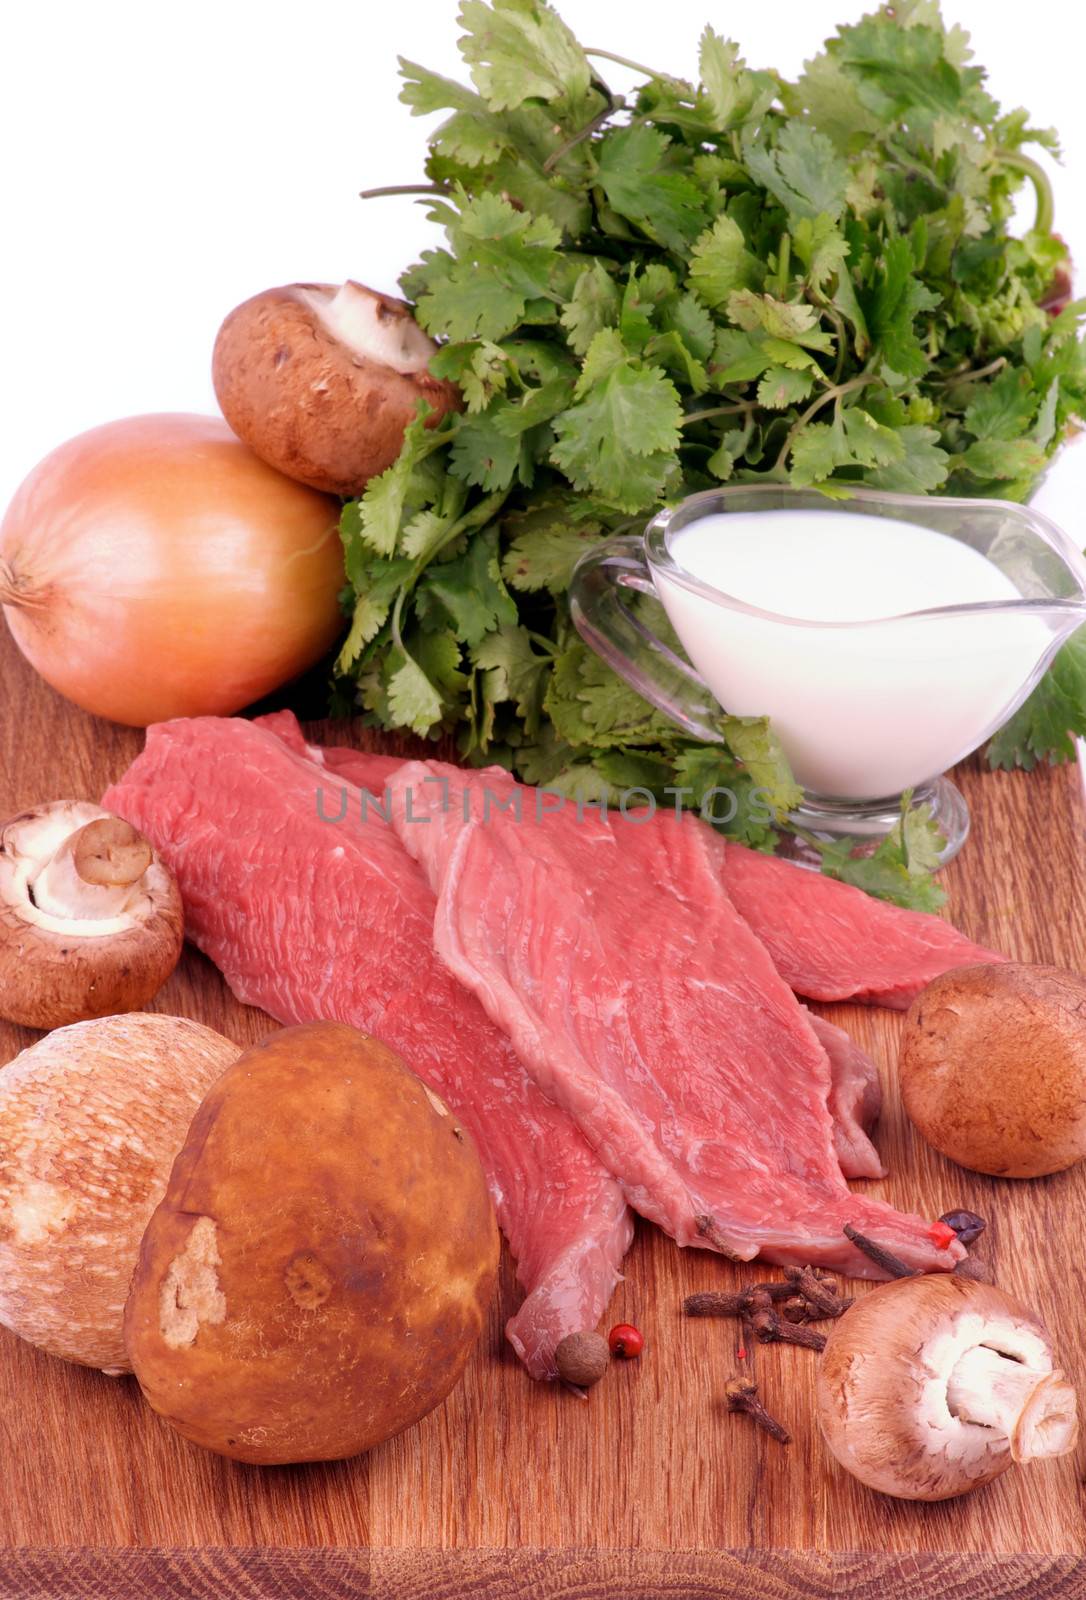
x: 475, y: 518
x: 615, y: 103
x: 397, y: 618
x: 1042, y: 222
x: 717, y: 411
x: 831, y: 311
x: 833, y: 393
x: 963, y: 374
x: 784, y: 262
x: 634, y: 66
x: 404, y: 188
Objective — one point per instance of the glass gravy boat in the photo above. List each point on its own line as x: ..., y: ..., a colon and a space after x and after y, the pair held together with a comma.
x: 864, y: 709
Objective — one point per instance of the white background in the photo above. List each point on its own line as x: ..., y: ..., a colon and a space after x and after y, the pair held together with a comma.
x: 164, y: 161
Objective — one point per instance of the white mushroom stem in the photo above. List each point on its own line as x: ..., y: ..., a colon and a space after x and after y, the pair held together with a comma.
x: 1034, y: 1410
x: 373, y: 328
x: 94, y: 874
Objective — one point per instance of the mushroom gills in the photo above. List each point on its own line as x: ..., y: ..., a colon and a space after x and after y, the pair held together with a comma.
x: 1033, y: 1409
x: 372, y: 327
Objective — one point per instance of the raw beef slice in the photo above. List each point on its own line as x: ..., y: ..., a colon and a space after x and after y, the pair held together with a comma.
x: 855, y: 1095
x: 855, y: 1100
x: 652, y: 1014
x: 313, y: 919
x: 830, y: 941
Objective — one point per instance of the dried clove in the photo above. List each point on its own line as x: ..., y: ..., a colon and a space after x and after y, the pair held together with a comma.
x: 819, y: 1291
x: 742, y: 1395
x: 720, y: 1303
x: 892, y: 1265
x: 966, y: 1224
x: 769, y: 1329
x: 708, y: 1229
x: 809, y: 1293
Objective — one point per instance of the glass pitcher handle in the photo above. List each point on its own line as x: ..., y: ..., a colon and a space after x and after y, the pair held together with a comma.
x: 603, y: 621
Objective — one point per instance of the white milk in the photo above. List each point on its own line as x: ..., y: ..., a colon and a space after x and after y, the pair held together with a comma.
x: 862, y: 712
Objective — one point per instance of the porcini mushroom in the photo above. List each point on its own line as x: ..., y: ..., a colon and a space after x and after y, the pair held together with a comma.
x: 90, y: 918
x: 932, y: 1386
x: 321, y: 380
x: 91, y: 1119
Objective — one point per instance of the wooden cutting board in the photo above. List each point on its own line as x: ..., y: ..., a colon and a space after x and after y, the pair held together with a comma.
x: 512, y: 1488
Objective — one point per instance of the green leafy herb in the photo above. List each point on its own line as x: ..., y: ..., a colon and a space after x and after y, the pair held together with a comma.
x: 729, y: 279
x: 900, y: 866
x: 1046, y: 726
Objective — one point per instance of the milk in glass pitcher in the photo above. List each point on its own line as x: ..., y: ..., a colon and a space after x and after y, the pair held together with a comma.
x: 885, y: 635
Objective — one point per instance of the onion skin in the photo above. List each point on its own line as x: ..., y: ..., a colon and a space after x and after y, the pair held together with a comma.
x: 155, y: 568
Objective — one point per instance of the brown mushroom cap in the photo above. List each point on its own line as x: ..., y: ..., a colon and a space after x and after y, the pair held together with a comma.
x: 932, y: 1386
x: 320, y: 381
x: 90, y: 919
x: 993, y: 1068
x: 91, y: 1119
x: 320, y: 1267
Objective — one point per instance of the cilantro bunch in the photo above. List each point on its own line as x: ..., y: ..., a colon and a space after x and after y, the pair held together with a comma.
x: 734, y: 280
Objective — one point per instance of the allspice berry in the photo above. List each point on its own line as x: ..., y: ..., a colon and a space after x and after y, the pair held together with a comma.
x: 582, y: 1358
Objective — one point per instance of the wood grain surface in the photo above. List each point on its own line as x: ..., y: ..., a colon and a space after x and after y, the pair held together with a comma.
x: 513, y: 1488
x: 532, y: 1574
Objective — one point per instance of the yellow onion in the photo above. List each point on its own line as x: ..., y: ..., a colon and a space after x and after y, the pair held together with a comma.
x: 155, y: 568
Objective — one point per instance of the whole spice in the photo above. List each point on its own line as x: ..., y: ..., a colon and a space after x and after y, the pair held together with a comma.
x: 626, y: 1341
x: 966, y: 1224
x: 721, y: 1303
x: 818, y: 1291
x: 892, y: 1265
x: 806, y: 1294
x: 741, y: 1394
x: 768, y: 1328
x: 582, y: 1358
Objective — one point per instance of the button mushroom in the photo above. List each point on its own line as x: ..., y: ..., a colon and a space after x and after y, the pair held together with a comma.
x: 993, y: 1068
x: 932, y: 1386
x: 90, y: 918
x: 321, y: 381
